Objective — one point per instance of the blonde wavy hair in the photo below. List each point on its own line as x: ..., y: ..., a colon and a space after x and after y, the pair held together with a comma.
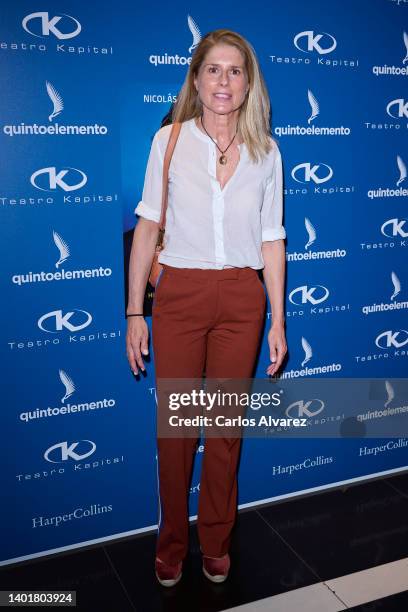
x: 254, y: 116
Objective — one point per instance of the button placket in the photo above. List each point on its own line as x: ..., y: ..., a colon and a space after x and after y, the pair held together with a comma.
x: 217, y: 207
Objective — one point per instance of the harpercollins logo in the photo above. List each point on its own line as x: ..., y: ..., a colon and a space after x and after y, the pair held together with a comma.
x: 179, y: 60
x: 77, y: 513
x: 64, y: 252
x: 386, y: 69
x: 311, y: 129
x: 57, y: 107
x: 307, y: 464
x: 392, y: 445
x: 308, y: 255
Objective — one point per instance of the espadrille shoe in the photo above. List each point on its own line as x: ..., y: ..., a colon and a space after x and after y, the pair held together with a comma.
x: 216, y: 568
x: 168, y: 575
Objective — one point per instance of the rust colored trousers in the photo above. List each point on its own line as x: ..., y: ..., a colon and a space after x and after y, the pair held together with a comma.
x: 202, y: 321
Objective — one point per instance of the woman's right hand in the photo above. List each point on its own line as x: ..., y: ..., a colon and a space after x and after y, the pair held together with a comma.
x: 137, y: 336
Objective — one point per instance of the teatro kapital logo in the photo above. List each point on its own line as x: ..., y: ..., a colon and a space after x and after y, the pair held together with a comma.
x: 69, y: 457
x: 397, y: 109
x: 316, y: 175
x: 314, y: 49
x: 392, y: 339
x: 51, y: 179
x: 64, y: 451
x: 393, y: 344
x: 62, y: 327
x: 311, y: 129
x: 57, y: 321
x: 396, y: 230
x: 63, y: 184
x: 308, y: 172
x: 44, y: 28
x: 179, y: 60
x: 310, y: 300
x: 41, y: 25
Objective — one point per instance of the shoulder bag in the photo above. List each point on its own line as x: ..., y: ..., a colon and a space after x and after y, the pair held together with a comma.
x: 156, y: 266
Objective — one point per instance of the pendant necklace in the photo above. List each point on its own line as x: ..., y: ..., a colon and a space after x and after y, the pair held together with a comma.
x: 222, y: 159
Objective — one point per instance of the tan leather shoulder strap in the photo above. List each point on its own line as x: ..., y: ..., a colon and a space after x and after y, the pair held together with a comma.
x: 175, y: 131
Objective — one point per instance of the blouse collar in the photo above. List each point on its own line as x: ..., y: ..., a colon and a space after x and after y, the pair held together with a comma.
x: 202, y: 136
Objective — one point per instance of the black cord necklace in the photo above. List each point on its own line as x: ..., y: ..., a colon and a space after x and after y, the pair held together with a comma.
x: 222, y: 159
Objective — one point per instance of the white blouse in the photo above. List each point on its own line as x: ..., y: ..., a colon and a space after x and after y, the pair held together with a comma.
x: 206, y: 226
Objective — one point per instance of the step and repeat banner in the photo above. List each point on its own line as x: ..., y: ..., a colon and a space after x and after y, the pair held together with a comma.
x: 84, y: 89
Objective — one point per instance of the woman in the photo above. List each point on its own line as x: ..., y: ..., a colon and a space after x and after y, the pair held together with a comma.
x: 224, y: 222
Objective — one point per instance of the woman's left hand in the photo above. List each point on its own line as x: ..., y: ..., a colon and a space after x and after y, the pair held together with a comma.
x: 277, y: 348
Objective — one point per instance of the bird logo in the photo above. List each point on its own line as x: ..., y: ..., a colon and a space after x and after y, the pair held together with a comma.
x: 195, y: 32
x: 56, y: 100
x: 314, y: 106
x: 62, y: 246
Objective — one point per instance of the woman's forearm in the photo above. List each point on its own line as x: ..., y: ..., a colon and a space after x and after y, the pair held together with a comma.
x: 140, y: 263
x: 274, y: 256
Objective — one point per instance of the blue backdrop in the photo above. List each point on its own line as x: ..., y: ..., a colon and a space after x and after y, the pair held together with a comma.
x: 84, y: 88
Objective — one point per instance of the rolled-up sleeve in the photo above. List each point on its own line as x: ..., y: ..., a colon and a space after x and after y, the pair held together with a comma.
x: 149, y: 206
x: 272, y: 206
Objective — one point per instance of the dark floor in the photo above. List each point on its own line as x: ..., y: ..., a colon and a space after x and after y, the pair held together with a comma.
x: 275, y: 549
